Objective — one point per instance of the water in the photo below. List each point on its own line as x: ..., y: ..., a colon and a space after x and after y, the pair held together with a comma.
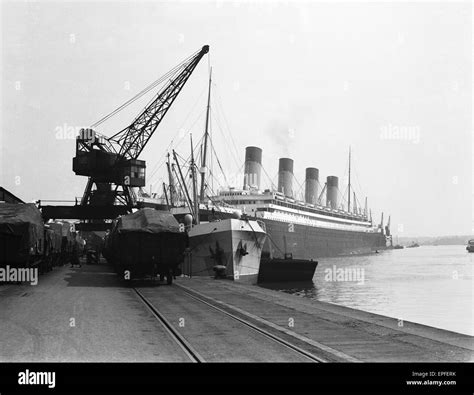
x: 430, y: 285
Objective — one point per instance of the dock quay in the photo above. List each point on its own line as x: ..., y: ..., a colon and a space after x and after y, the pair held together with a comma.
x: 86, y: 313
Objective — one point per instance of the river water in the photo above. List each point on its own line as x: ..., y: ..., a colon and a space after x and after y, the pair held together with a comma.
x: 430, y: 285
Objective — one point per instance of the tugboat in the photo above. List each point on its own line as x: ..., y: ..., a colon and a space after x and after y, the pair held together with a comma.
x: 398, y: 247
x: 470, y: 245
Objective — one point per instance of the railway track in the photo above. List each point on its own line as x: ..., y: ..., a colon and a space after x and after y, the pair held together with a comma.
x: 194, y: 355
x: 188, y: 349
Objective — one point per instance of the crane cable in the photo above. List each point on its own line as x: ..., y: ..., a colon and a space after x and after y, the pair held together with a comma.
x: 220, y: 108
x: 144, y: 91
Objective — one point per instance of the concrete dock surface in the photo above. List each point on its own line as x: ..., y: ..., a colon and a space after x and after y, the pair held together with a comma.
x: 80, y: 314
x: 87, y: 314
x: 357, y: 334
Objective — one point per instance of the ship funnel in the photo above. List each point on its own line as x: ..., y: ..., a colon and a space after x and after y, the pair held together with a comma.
x: 285, y: 176
x: 311, y: 185
x: 331, y: 191
x: 253, y: 166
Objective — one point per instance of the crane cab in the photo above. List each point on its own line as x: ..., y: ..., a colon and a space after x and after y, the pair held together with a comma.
x: 93, y: 159
x: 132, y: 173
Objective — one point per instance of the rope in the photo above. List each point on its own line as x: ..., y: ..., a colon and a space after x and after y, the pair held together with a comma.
x: 278, y: 248
x: 218, y: 161
x: 144, y: 91
x: 253, y: 231
x: 272, y: 184
x: 300, y: 190
x: 219, y: 103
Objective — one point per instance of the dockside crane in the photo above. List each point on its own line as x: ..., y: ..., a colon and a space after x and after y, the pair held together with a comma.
x: 111, y: 163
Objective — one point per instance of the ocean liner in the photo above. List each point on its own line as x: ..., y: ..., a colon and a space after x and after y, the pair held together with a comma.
x: 304, y: 229
x: 310, y: 229
x: 317, y: 227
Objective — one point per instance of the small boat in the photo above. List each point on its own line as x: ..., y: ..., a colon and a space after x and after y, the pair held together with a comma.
x: 470, y: 245
x: 398, y: 247
x: 413, y: 245
x: 286, y: 269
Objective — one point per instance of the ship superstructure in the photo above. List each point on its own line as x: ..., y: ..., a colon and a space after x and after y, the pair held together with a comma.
x: 315, y: 227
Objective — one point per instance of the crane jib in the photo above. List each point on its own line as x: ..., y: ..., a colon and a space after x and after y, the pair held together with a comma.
x: 112, y: 163
x: 134, y: 138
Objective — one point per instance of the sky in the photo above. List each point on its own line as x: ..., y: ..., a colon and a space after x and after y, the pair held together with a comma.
x: 304, y: 80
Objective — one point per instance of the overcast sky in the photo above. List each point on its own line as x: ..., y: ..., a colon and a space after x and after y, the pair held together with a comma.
x: 300, y: 80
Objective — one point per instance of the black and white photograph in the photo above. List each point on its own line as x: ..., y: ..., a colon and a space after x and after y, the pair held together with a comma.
x: 215, y: 190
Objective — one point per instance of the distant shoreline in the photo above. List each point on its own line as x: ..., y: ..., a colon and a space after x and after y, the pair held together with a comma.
x: 440, y: 240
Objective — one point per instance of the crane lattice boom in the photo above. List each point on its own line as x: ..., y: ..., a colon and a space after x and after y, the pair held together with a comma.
x: 112, y: 163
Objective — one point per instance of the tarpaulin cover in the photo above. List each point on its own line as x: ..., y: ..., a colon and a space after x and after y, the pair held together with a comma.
x: 56, y: 227
x: 145, y: 243
x: 148, y: 220
x: 14, y: 216
x: 94, y: 239
x: 63, y: 228
x: 54, y: 239
x: 24, y: 222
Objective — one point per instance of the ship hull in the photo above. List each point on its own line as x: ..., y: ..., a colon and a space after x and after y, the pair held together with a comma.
x: 231, y: 243
x: 310, y: 242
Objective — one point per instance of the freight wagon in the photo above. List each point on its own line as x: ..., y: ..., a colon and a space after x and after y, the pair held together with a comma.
x: 94, y: 245
x: 65, y: 238
x: 145, y: 245
x: 52, y: 248
x: 26, y: 242
x: 22, y: 236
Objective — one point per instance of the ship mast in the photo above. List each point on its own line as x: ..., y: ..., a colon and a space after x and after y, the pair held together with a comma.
x: 182, y: 184
x: 166, y: 197
x: 349, y: 186
x: 206, y: 136
x: 171, y: 182
x: 193, y: 173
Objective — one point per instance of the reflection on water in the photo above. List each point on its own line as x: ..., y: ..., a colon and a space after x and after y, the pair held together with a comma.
x: 430, y: 285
